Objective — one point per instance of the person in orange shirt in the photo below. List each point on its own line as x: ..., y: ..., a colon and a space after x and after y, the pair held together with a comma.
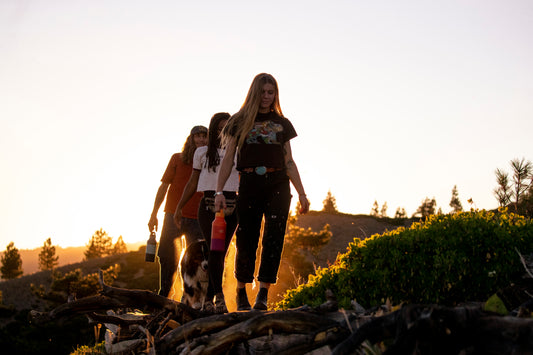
x: 173, y: 183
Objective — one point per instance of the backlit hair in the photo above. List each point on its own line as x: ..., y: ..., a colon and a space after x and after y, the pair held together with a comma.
x: 187, y: 152
x: 242, y: 122
x: 213, y: 159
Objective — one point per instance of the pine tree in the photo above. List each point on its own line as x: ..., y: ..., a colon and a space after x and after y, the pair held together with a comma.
x: 455, y: 203
x: 522, y: 178
x: 330, y: 204
x: 11, y: 263
x: 427, y: 208
x: 375, y: 209
x: 400, y: 213
x: 47, y: 257
x: 120, y: 247
x: 503, y: 191
x: 99, y: 245
x: 383, y: 212
x: 518, y: 194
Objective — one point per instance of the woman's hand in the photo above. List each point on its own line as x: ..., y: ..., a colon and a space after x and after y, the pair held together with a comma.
x: 152, y: 223
x: 220, y: 202
x: 304, y: 204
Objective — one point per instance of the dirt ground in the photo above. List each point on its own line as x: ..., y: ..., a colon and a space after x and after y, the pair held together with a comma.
x: 345, y: 228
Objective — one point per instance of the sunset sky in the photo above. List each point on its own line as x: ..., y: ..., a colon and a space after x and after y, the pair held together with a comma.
x: 392, y: 101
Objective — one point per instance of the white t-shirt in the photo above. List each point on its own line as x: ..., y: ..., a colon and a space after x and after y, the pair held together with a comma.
x: 208, y: 179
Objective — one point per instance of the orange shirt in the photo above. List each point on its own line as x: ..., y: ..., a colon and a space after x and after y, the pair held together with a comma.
x: 177, y: 175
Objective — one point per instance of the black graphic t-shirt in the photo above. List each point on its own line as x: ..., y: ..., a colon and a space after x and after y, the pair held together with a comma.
x: 264, y: 143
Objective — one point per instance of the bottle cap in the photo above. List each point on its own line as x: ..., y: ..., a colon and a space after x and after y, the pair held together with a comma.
x: 220, y: 213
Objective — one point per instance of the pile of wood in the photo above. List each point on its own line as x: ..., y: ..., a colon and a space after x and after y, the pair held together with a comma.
x: 142, y: 322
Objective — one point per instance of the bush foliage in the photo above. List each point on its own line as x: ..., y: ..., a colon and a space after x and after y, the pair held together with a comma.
x: 76, y: 284
x: 448, y: 259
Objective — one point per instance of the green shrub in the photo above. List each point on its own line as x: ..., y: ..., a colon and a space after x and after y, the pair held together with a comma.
x: 448, y: 259
x: 74, y: 283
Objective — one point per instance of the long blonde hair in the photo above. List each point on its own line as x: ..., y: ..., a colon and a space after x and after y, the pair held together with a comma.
x: 242, y: 122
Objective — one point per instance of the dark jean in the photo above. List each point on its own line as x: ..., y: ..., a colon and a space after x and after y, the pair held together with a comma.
x: 270, y: 196
x: 216, y: 258
x: 168, y: 243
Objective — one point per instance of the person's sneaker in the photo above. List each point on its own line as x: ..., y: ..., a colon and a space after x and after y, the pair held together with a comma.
x: 261, y: 299
x: 208, y: 306
x: 220, y: 304
x: 242, y: 300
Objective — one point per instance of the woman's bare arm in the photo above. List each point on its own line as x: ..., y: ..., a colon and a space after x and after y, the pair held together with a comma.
x: 294, y: 176
x: 224, y: 172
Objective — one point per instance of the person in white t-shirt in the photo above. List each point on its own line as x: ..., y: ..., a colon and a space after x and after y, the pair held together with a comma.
x: 204, y: 179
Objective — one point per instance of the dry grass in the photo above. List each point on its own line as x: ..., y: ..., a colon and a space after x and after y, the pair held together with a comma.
x: 345, y: 228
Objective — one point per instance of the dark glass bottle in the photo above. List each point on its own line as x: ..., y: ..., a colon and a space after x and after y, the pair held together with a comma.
x: 151, y: 247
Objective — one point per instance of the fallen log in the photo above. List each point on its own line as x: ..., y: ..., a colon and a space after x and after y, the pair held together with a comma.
x: 200, y: 327
x: 81, y: 306
x: 288, y: 344
x: 122, y: 321
x: 147, y: 299
x: 168, y: 327
x: 291, y: 322
x: 433, y: 329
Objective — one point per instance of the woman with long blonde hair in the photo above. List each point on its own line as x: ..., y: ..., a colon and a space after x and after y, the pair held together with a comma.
x: 260, y: 135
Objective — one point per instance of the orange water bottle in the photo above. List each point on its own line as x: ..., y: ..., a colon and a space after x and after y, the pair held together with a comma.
x: 218, y: 232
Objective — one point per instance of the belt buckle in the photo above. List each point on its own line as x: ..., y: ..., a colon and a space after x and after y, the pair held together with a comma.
x: 260, y: 170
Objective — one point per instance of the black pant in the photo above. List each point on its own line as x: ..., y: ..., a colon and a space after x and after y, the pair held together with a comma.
x: 170, y: 247
x: 206, y: 215
x: 270, y: 196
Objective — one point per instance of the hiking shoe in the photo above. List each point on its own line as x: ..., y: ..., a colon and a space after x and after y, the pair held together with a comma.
x: 220, y: 304
x: 209, y: 307
x: 242, y: 300
x: 261, y: 299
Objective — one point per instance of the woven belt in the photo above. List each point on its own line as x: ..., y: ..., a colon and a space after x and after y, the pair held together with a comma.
x: 261, y: 170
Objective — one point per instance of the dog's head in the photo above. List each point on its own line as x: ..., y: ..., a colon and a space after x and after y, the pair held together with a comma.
x: 196, y: 254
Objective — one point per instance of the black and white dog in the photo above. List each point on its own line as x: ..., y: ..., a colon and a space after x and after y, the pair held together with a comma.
x: 193, y: 269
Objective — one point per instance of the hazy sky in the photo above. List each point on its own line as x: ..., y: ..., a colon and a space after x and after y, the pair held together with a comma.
x: 392, y: 101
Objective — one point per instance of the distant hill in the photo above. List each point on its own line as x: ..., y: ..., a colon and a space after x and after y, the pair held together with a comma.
x: 70, y: 255
x: 345, y: 227
x: 136, y: 273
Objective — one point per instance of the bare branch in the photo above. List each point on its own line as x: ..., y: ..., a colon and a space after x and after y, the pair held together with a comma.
x: 524, y: 263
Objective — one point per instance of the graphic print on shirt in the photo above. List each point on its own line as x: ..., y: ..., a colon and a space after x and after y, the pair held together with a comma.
x: 264, y: 133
